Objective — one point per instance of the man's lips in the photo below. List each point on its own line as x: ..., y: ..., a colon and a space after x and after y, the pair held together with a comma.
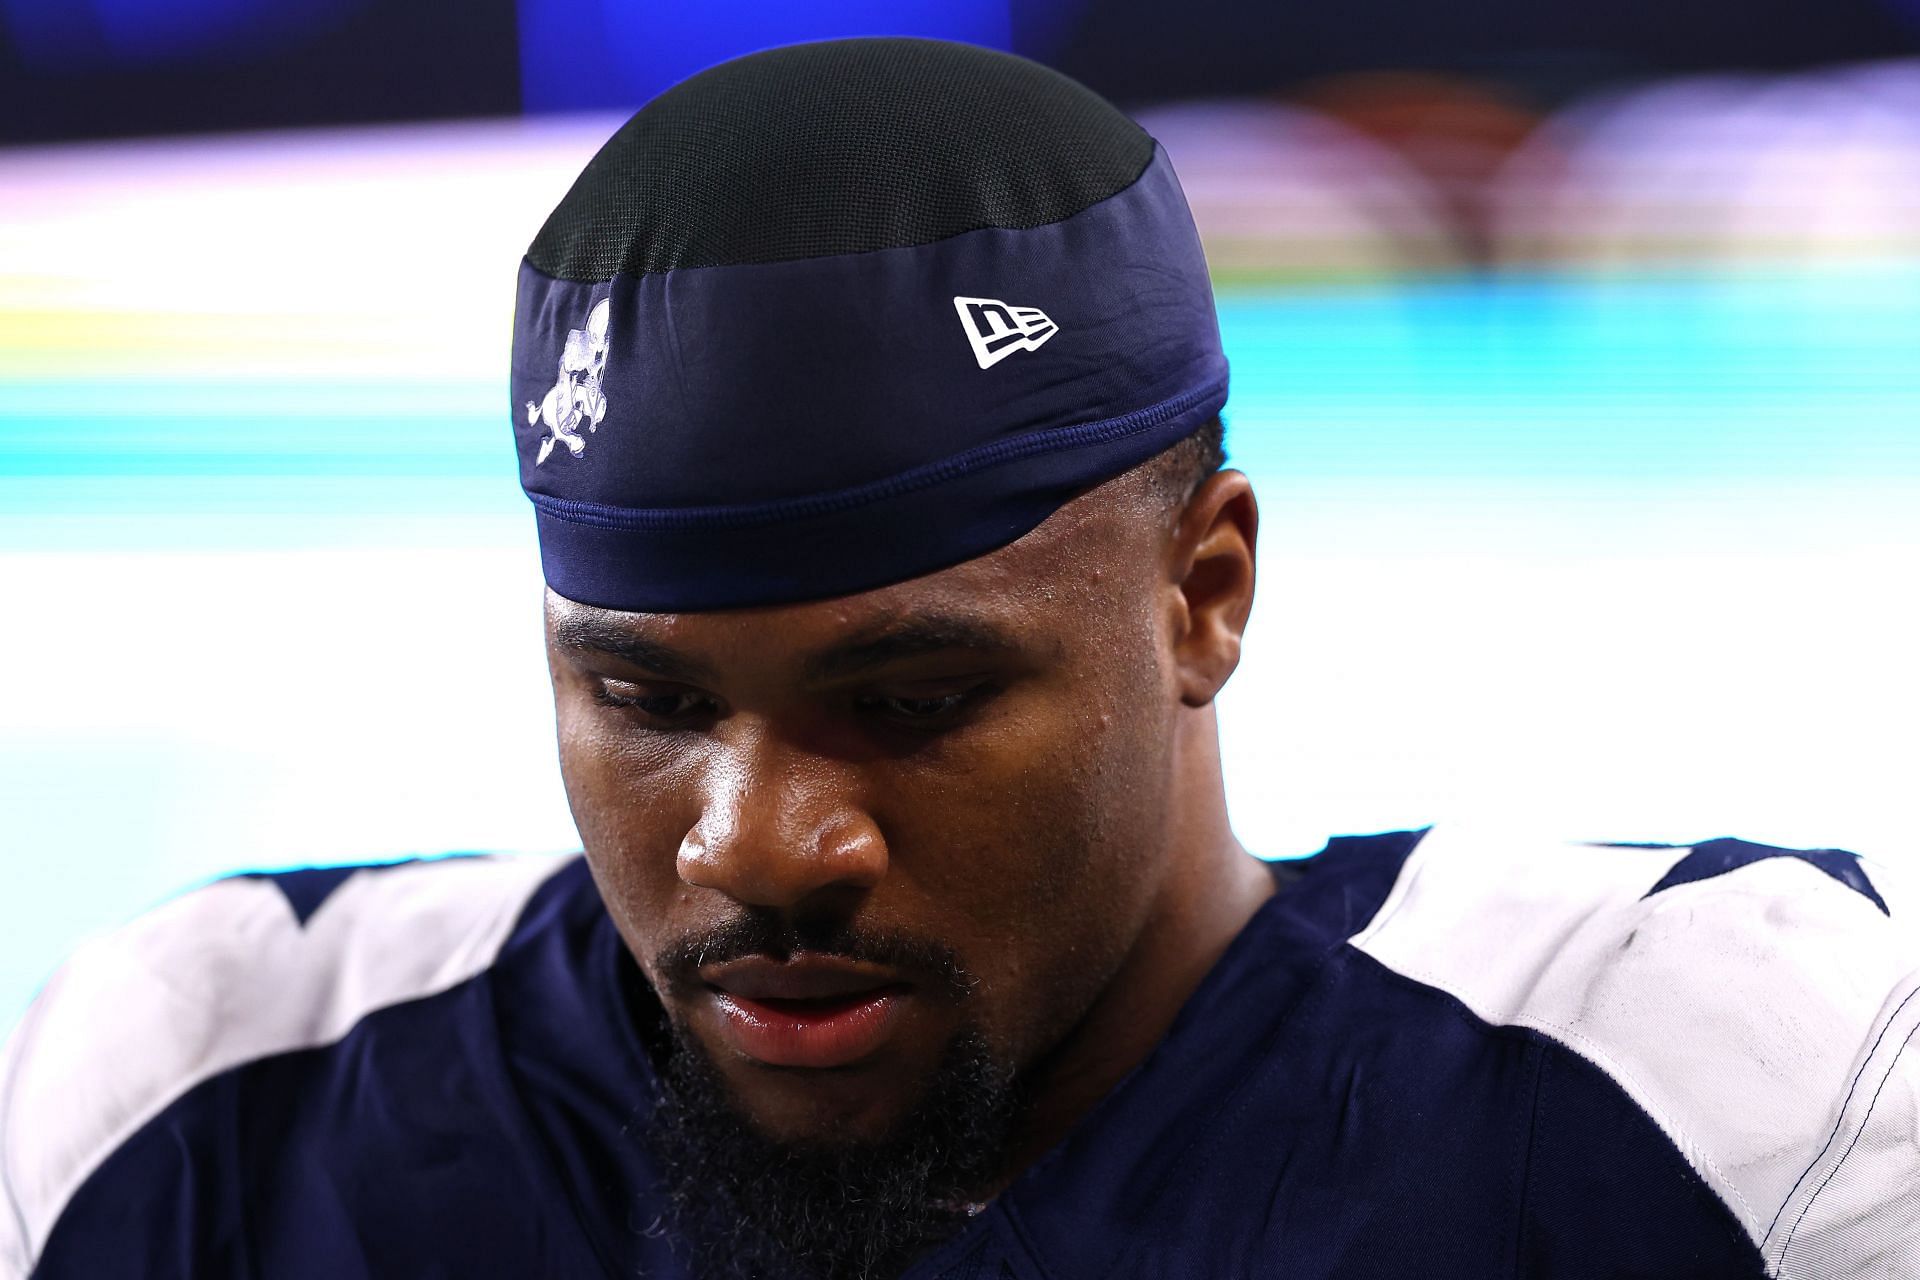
x: 806, y: 1011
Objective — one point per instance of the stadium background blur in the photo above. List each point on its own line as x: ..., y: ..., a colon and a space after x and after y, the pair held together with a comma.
x: 1576, y: 356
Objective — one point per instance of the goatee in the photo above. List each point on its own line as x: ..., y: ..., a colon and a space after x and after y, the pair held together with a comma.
x: 752, y: 1208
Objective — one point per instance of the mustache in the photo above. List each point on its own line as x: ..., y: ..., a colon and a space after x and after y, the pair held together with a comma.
x: 774, y: 934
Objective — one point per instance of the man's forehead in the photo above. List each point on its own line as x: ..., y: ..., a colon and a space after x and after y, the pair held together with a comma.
x: 972, y: 610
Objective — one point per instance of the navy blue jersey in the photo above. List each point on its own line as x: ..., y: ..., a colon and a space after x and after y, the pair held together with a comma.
x: 1449, y: 1057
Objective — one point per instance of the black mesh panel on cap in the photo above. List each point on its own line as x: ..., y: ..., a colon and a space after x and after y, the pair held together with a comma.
x: 840, y: 147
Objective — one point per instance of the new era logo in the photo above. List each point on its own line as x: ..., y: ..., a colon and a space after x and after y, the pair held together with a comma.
x: 997, y: 330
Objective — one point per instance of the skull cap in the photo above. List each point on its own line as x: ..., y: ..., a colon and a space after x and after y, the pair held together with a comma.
x: 836, y: 315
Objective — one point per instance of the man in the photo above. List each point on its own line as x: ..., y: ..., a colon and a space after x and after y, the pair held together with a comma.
x: 868, y: 395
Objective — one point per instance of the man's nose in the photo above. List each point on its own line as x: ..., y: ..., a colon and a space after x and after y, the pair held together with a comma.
x: 779, y: 827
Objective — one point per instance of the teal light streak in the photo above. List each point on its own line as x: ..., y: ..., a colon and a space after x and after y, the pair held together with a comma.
x: 1550, y: 380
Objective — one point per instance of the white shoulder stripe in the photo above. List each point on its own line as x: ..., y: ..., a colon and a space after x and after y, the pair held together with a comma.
x: 1738, y: 1011
x: 220, y: 977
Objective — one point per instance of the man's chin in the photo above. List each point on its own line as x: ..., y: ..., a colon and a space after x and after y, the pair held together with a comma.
x: 797, y: 1106
x: 865, y: 1102
x: 827, y: 1172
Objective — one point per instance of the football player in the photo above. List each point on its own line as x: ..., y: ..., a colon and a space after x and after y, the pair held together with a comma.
x: 893, y: 573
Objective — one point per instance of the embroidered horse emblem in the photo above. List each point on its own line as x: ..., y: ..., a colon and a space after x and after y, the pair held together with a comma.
x: 575, y: 396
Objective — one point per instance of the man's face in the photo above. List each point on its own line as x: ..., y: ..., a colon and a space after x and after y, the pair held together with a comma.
x: 842, y: 837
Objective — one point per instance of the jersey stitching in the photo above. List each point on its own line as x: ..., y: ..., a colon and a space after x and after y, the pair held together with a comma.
x: 1018, y: 1229
x: 1839, y: 1121
x: 1542, y: 1063
x: 1182, y: 1170
x: 1179, y: 1169
x: 1833, y: 1172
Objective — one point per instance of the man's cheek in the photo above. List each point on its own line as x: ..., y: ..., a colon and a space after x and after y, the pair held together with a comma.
x: 632, y: 842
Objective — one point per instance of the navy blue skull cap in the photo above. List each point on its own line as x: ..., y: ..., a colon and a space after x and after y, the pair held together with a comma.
x: 836, y: 315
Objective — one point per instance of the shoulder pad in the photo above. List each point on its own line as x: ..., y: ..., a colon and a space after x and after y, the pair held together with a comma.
x: 1755, y: 1002
x: 239, y: 970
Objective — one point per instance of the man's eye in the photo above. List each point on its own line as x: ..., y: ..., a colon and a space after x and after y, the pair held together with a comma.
x: 673, y: 705
x: 922, y: 709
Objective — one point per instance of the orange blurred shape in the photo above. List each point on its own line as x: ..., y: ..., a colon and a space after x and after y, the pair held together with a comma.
x: 1454, y: 130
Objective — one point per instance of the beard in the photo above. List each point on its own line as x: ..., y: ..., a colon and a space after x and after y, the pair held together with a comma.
x: 753, y: 1208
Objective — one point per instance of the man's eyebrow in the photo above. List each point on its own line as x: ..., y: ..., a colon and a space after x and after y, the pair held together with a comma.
x: 910, y: 639
x: 587, y: 633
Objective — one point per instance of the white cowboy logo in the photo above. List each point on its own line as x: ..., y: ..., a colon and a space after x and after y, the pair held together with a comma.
x: 576, y: 396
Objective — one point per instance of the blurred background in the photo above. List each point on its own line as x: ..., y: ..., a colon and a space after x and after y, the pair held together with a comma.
x: 1576, y: 358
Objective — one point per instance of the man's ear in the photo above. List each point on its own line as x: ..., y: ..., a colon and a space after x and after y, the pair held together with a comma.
x: 1210, y: 567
